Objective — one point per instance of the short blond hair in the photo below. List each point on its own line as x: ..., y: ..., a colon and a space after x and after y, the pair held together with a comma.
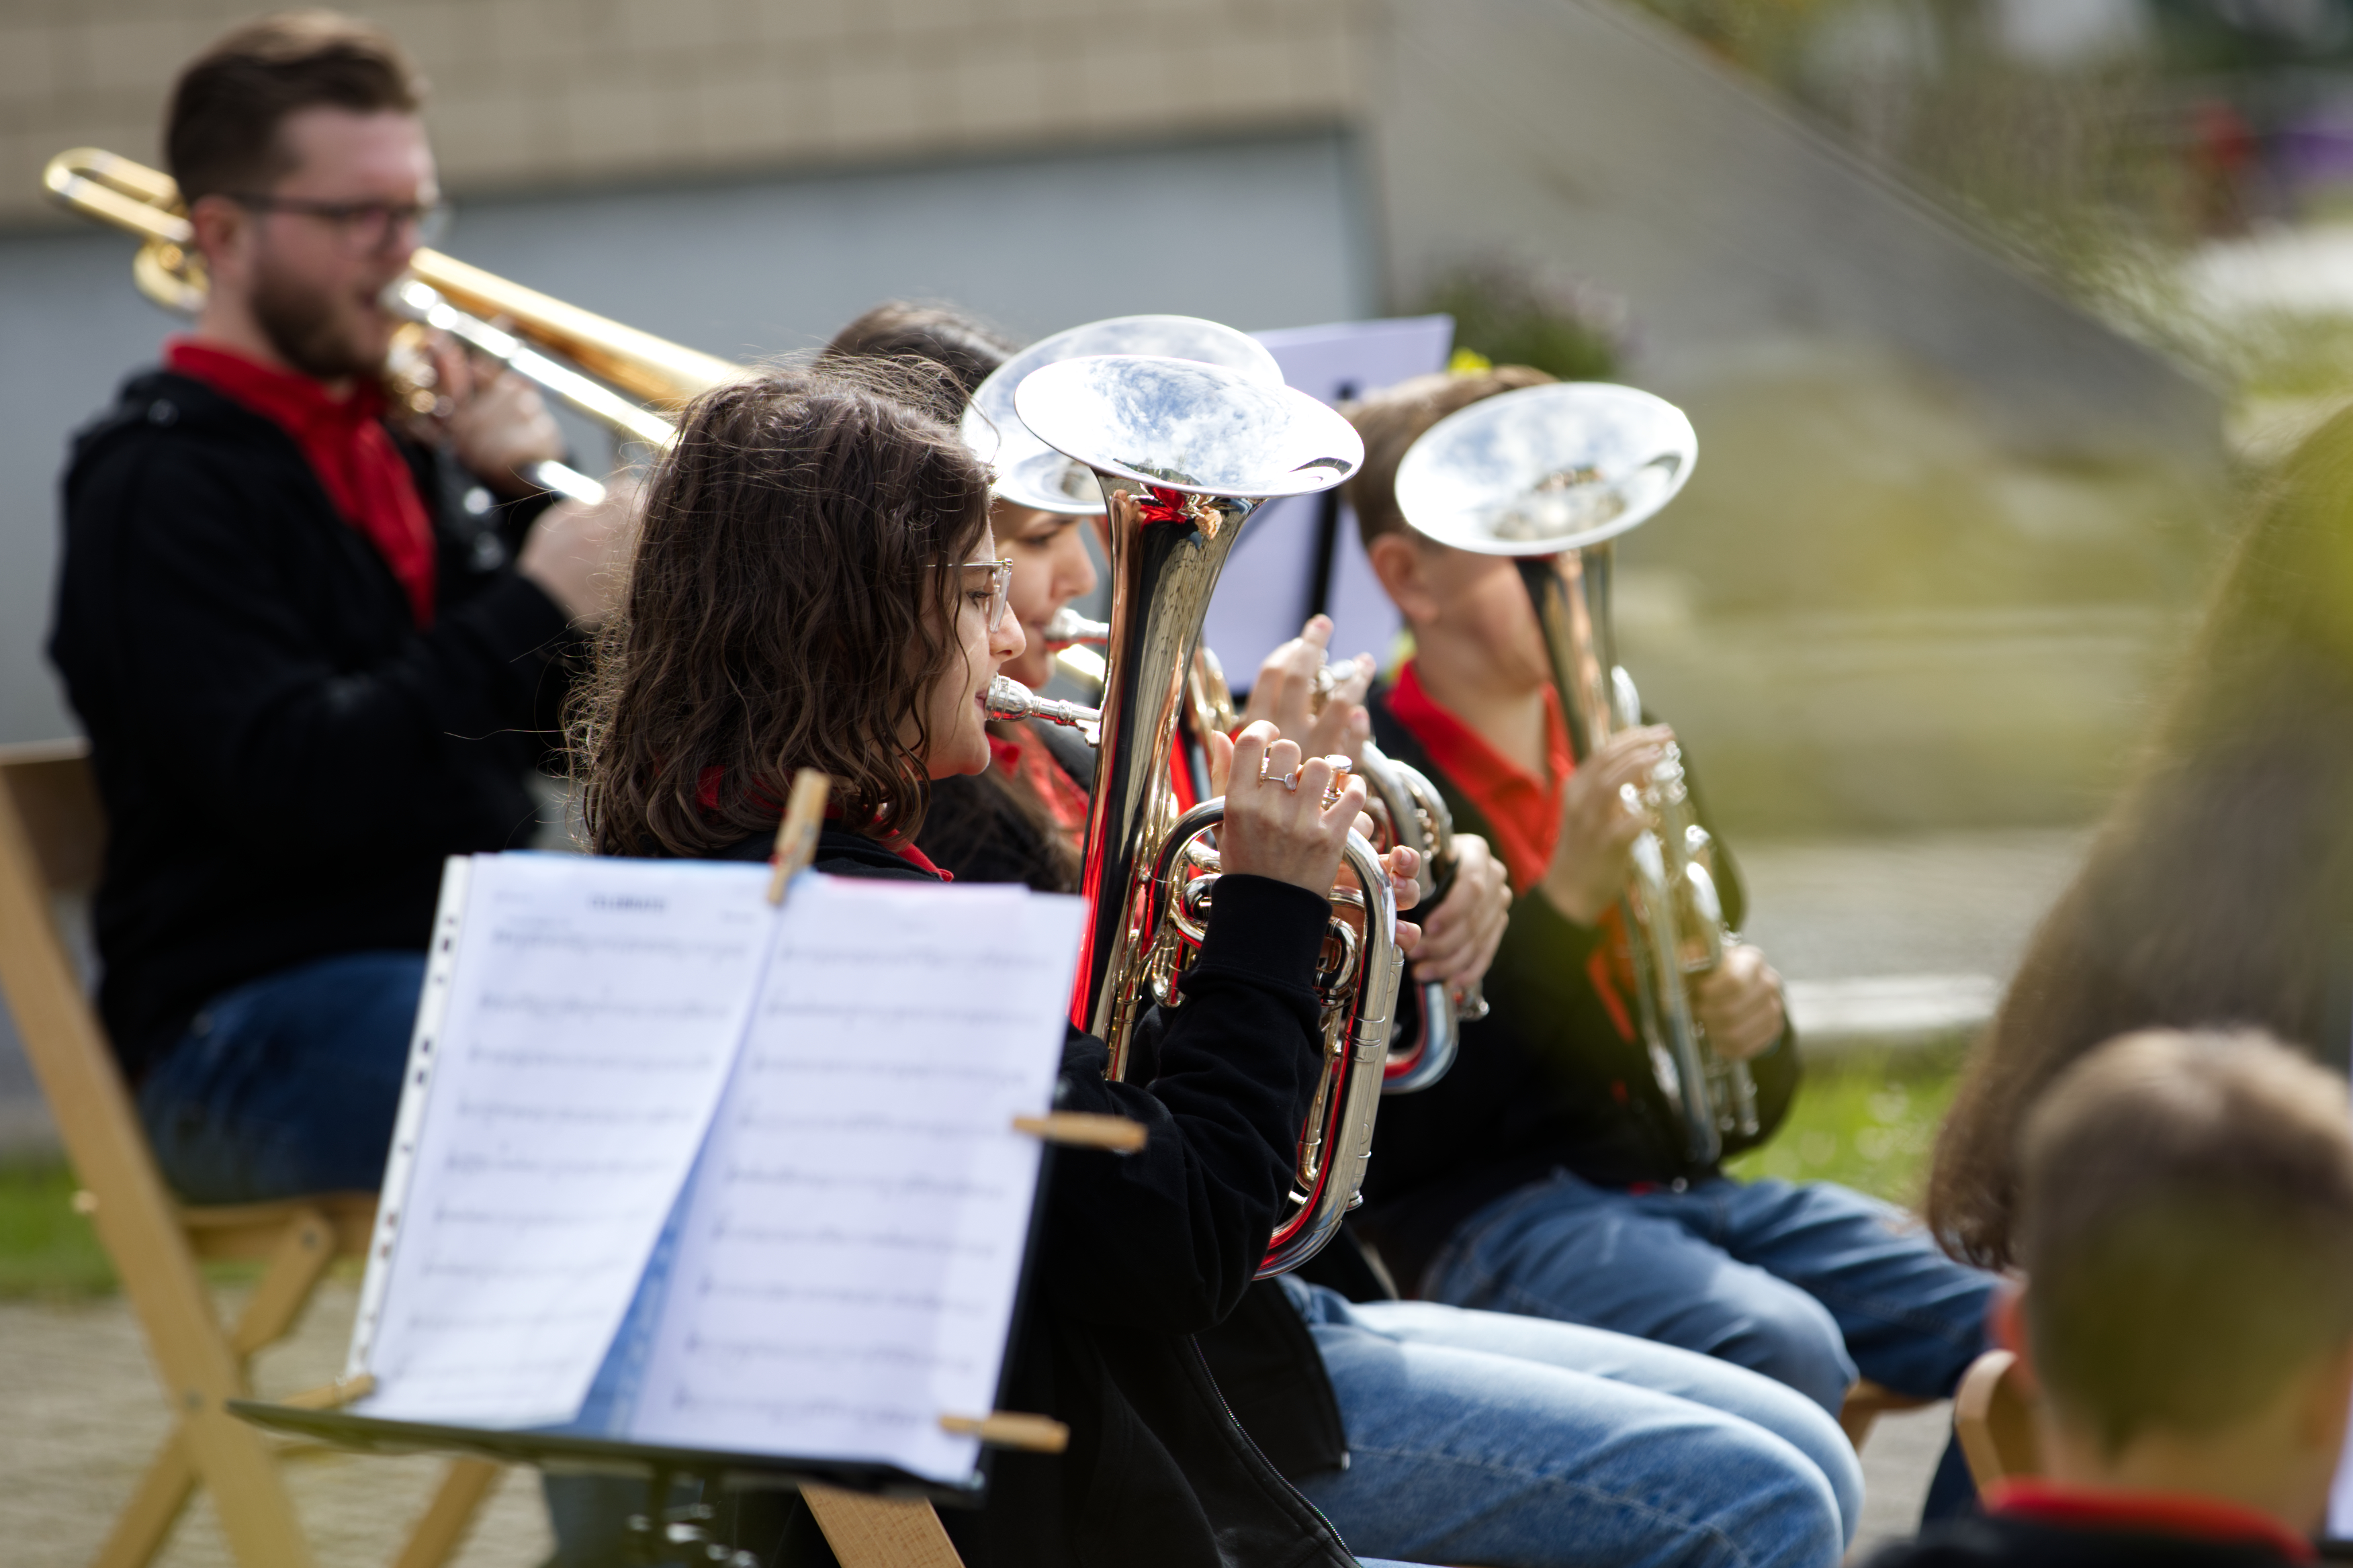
x: 1394, y: 418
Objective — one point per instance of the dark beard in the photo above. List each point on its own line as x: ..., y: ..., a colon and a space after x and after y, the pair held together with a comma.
x: 300, y: 322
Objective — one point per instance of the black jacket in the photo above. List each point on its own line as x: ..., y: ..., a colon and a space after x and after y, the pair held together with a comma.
x: 1136, y: 1254
x: 285, y: 760
x: 2002, y: 1542
x: 1545, y: 1081
x: 1263, y: 1356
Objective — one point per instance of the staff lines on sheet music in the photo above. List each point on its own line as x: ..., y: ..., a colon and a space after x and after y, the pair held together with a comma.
x: 833, y: 1237
x: 780, y: 1410
x: 570, y: 1269
x: 429, y: 1319
x: 516, y: 946
x: 515, y: 1165
x: 999, y: 963
x: 495, y: 1110
x: 714, y: 1349
x: 877, y: 1301
x: 912, y: 1184
x: 450, y: 1213
x: 869, y: 1065
x: 872, y: 1124
x: 914, y: 1019
x: 587, y: 1058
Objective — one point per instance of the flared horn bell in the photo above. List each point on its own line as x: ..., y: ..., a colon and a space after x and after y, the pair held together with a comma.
x: 1031, y: 473
x: 1547, y: 469
x: 1181, y: 425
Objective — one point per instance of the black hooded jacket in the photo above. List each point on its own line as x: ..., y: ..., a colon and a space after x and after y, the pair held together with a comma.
x: 285, y: 759
x: 1138, y: 1253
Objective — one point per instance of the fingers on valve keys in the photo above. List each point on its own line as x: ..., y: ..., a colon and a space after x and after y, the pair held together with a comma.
x: 1269, y: 771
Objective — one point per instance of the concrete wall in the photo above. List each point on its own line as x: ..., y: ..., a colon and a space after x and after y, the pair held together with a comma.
x: 528, y: 94
x: 1586, y: 135
x: 1279, y: 238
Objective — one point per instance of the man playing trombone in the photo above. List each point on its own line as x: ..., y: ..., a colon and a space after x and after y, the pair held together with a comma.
x: 316, y: 649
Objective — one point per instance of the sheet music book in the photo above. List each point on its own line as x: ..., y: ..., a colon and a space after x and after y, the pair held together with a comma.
x: 747, y: 1172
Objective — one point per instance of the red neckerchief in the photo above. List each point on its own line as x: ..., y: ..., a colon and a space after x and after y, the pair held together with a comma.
x: 346, y: 445
x: 2158, y: 1513
x: 1523, y: 814
x: 707, y: 784
x: 1023, y: 756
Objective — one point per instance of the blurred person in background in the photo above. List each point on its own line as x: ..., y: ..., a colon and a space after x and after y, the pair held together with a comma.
x: 2220, y: 890
x: 1423, y: 1432
x: 316, y: 652
x: 2185, y: 1223
x: 1548, y: 1174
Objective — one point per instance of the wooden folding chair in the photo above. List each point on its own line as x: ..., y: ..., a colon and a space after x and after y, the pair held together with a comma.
x: 51, y: 830
x: 1866, y: 1403
x: 1993, y: 1416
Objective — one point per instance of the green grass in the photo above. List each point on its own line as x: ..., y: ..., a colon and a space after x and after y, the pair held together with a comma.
x: 1866, y: 1120
x: 46, y: 1248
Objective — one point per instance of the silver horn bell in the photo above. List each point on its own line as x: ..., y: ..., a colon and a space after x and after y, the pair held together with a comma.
x: 1029, y: 471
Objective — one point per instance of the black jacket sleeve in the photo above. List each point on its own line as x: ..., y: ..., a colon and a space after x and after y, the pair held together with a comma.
x: 1168, y: 1239
x: 259, y: 721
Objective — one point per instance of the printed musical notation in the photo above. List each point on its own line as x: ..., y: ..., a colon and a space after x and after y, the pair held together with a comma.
x: 852, y: 1241
x: 754, y: 1165
x: 589, y: 1026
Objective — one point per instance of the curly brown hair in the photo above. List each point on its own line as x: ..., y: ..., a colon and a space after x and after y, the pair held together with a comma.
x: 786, y: 610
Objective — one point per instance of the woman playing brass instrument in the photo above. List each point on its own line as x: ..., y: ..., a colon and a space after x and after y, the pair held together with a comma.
x: 1421, y: 1431
x: 815, y: 585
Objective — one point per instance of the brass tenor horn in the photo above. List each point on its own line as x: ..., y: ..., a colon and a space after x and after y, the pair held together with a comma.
x: 1548, y: 475
x: 1183, y: 453
x: 517, y: 326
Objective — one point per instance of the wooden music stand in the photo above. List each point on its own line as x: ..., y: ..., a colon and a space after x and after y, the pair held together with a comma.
x: 1993, y: 1416
x: 51, y: 831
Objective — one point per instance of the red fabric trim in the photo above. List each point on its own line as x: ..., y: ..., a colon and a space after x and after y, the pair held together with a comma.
x: 1025, y: 758
x: 1524, y: 812
x: 923, y: 862
x: 346, y: 445
x: 2166, y: 1513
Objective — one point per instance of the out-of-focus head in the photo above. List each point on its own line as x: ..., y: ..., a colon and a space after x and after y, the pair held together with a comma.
x: 798, y: 598
x: 2186, y: 1225
x: 297, y: 146
x: 1473, y: 600
x: 951, y: 351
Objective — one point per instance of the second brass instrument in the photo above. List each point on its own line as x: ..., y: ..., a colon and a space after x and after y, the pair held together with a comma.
x: 520, y: 328
x: 1549, y: 476
x: 1183, y: 453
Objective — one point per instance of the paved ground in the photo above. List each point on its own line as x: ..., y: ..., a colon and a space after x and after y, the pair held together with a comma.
x: 84, y: 1416
x: 1908, y: 915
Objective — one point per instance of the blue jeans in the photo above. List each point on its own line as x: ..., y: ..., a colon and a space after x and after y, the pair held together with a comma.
x: 287, y: 1084
x: 1809, y: 1285
x: 1505, y: 1441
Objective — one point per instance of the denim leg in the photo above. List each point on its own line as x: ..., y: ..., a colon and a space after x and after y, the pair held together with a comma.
x: 1565, y: 1250
x: 288, y: 1084
x: 1662, y: 1369
x: 1913, y: 1318
x: 1459, y: 1454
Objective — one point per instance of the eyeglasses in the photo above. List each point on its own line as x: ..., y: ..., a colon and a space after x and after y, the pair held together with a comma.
x: 988, y: 593
x: 366, y: 226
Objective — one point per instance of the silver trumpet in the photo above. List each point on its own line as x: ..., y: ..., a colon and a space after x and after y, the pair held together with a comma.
x: 1183, y: 452
x: 1549, y: 476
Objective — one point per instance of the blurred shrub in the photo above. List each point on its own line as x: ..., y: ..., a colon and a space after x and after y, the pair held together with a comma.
x: 1508, y: 314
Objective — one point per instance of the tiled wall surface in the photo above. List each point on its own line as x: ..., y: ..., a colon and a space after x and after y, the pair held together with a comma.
x: 531, y: 94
